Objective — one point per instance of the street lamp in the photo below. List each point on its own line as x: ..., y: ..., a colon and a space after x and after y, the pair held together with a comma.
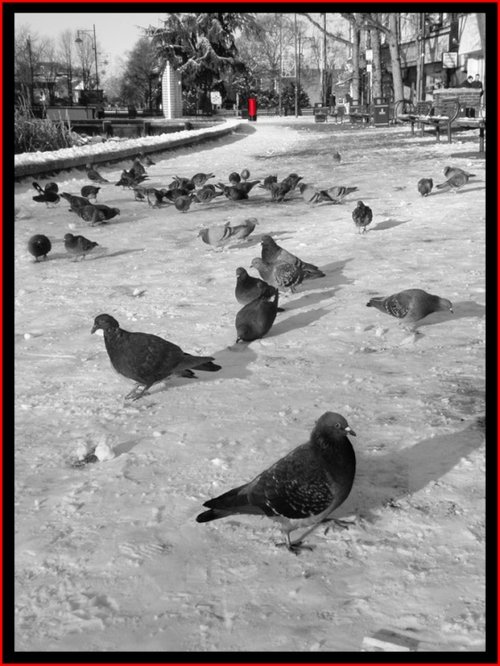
x: 91, y: 35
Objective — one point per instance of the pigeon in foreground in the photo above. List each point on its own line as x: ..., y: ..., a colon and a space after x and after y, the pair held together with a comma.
x: 216, y: 235
x: 75, y: 202
x: 206, y: 194
x: 39, y: 246
x: 272, y: 253
x: 78, y: 245
x: 300, y: 490
x: 339, y: 192
x: 183, y: 203
x: 425, y: 186
x: 244, y: 229
x: 146, y: 159
x: 455, y: 182
x: 336, y: 157
x: 248, y: 288
x: 146, y: 358
x: 199, y: 179
x: 232, y: 192
x: 91, y: 214
x: 282, y: 275
x: 362, y: 216
x: 90, y: 191
x: 234, y: 178
x: 93, y: 174
x: 48, y: 194
x: 450, y: 171
x: 246, y: 186
x: 268, y: 181
x: 255, y: 319
x: 410, y: 305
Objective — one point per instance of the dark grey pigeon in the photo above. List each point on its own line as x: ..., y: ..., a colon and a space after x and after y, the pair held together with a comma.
x: 256, y: 318
x: 78, y: 245
x: 272, y: 253
x: 39, y: 246
x: 147, y: 358
x: 362, y: 216
x: 425, y: 186
x: 300, y: 490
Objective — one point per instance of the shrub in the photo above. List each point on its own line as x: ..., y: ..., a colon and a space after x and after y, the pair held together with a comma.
x: 32, y: 134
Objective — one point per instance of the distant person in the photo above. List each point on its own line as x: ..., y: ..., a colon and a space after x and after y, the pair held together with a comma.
x: 469, y: 82
x: 333, y: 104
x: 477, y: 83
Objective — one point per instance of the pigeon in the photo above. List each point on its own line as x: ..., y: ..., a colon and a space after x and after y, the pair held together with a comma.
x: 232, y: 192
x: 139, y: 193
x: 249, y: 288
x: 338, y: 192
x: 91, y: 214
x: 336, y: 157
x: 268, y: 181
x: 244, y: 229
x: 292, y: 180
x: 78, y: 245
x: 424, y: 186
x: 146, y: 159
x: 90, y: 191
x: 450, y: 171
x: 279, y: 191
x: 39, y: 246
x: 130, y: 179
x: 75, y: 202
x: 410, y: 305
x: 309, y: 192
x: 172, y: 194
x: 246, y: 186
x: 234, y: 178
x: 183, y: 183
x: 93, y: 174
x: 199, y: 179
x: 47, y: 195
x: 146, y: 358
x: 154, y: 197
x: 184, y: 202
x: 109, y: 212
x: 302, y: 489
x: 282, y: 275
x: 272, y: 253
x: 255, y: 319
x: 205, y: 195
x: 216, y: 236
x: 137, y: 169
x: 362, y: 216
x: 455, y: 182
x: 245, y: 174
x: 51, y: 187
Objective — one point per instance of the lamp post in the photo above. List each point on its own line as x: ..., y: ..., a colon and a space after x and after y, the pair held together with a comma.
x: 91, y: 35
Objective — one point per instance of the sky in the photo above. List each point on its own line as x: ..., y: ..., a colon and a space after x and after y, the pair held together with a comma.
x: 116, y: 32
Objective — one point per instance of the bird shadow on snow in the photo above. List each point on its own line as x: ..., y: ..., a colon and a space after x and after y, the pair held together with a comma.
x: 460, y: 311
x: 297, y: 321
x: 106, y: 255
x: 382, y: 479
x: 387, y: 224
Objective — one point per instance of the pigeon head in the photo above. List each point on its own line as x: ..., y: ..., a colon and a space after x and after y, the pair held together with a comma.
x: 234, y: 177
x: 445, y: 304
x: 331, y: 424
x: 68, y: 237
x: 267, y: 240
x: 240, y: 272
x: 105, y: 322
x: 256, y: 263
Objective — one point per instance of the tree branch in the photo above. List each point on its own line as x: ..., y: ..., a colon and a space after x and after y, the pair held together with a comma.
x: 329, y: 34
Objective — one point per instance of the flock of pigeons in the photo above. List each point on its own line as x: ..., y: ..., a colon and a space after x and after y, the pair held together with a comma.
x: 302, y: 489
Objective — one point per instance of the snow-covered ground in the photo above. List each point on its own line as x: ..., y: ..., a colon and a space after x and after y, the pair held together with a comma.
x: 108, y: 554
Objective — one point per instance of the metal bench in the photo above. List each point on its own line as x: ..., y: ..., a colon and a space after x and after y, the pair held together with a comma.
x: 359, y: 113
x: 409, y: 112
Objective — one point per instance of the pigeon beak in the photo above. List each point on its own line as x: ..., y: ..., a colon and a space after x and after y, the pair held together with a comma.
x: 350, y: 431
x: 94, y: 328
x: 451, y: 310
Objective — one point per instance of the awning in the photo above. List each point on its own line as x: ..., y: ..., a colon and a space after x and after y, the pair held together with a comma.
x: 469, y: 36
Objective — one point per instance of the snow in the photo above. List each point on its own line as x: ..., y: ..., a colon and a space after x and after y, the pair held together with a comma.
x: 97, y: 146
x: 108, y: 554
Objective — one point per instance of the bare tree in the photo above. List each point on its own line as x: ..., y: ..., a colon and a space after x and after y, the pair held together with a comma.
x: 67, y: 57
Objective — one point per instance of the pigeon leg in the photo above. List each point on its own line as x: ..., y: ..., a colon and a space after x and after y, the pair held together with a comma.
x: 342, y: 524
x: 296, y: 546
x: 135, y: 393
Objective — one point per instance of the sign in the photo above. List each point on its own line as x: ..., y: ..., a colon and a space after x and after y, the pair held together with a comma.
x: 450, y: 60
x: 216, y: 98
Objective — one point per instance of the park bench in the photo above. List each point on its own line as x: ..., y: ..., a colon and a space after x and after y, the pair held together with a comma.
x: 438, y: 114
x: 472, y: 113
x: 359, y: 113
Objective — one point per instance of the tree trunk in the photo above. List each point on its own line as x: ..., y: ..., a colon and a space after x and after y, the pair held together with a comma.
x: 376, y: 65
x: 355, y: 63
x: 392, y: 38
